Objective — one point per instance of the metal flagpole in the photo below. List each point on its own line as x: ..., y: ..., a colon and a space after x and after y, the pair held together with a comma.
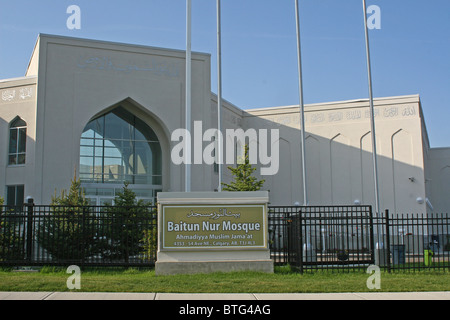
x: 219, y: 96
x: 372, y: 124
x: 188, y: 94
x: 302, y: 107
x: 372, y: 113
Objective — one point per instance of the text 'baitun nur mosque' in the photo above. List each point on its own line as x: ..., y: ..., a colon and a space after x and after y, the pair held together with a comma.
x: 107, y: 110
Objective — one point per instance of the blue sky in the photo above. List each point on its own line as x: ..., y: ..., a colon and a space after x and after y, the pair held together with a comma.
x: 410, y: 54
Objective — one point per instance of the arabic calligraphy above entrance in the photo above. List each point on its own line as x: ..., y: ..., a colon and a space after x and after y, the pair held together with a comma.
x: 153, y: 65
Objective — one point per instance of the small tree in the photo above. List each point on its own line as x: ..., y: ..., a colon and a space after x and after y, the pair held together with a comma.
x: 129, y: 220
x: 150, y: 241
x: 69, y: 232
x: 11, y: 240
x: 75, y: 197
x: 243, y: 179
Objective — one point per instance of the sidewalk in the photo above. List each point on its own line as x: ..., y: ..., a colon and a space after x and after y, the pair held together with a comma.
x: 218, y: 296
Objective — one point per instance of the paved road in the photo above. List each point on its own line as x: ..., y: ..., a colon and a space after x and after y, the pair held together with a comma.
x: 244, y: 296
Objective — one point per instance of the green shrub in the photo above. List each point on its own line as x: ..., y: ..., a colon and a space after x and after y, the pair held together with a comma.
x: 243, y: 178
x: 128, y: 224
x: 150, y: 243
x: 12, y: 240
x: 70, y: 232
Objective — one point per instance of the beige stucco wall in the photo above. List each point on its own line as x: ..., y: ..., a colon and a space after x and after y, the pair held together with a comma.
x: 439, y: 179
x: 232, y: 118
x: 79, y: 79
x: 17, y: 99
x: 339, y: 153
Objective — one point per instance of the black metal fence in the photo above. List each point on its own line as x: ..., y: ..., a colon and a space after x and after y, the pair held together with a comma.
x: 414, y: 241
x: 322, y: 237
x: 307, y: 238
x: 351, y: 237
x: 85, y: 236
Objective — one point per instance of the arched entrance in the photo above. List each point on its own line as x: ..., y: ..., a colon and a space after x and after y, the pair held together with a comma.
x: 115, y: 148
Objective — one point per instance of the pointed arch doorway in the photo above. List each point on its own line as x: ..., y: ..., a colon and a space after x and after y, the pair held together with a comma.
x: 116, y: 148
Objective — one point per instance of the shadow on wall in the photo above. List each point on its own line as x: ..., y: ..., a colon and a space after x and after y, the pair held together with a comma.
x: 338, y: 173
x: 439, y: 179
x: 16, y: 174
x: 3, y: 159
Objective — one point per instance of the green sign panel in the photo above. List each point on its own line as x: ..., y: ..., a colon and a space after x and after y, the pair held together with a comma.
x: 188, y: 227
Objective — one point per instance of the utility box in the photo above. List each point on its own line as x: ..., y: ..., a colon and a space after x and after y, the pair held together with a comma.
x: 398, y: 254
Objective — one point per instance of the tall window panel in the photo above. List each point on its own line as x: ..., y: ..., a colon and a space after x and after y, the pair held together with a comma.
x: 119, y: 147
x: 15, y: 195
x: 17, y: 142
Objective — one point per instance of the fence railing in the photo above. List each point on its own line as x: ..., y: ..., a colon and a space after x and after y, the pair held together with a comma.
x: 307, y: 238
x: 415, y: 241
x: 88, y: 235
x: 322, y: 237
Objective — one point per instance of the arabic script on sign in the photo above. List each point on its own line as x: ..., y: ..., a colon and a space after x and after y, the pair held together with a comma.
x: 214, y: 215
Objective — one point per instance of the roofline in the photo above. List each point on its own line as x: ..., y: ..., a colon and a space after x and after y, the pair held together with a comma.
x: 227, y: 104
x: 123, y: 44
x: 19, y: 79
x: 332, y: 103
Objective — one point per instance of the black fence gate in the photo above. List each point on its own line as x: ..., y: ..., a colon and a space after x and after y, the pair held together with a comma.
x: 322, y: 236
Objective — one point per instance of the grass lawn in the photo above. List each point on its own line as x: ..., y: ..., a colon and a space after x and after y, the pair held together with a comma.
x: 282, y: 281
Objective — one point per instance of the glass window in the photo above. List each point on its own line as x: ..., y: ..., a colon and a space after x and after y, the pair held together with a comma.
x: 15, y: 195
x: 17, y: 142
x: 118, y: 147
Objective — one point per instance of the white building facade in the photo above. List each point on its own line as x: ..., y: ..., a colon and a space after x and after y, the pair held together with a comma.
x: 107, y: 111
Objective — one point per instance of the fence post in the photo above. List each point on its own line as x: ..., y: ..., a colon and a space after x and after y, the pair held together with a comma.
x: 84, y: 243
x: 30, y: 205
x: 388, y: 241
x: 373, y: 247
x: 300, y: 241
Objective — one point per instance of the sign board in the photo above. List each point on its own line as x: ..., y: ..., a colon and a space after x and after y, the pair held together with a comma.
x: 213, y: 227
x: 204, y: 232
